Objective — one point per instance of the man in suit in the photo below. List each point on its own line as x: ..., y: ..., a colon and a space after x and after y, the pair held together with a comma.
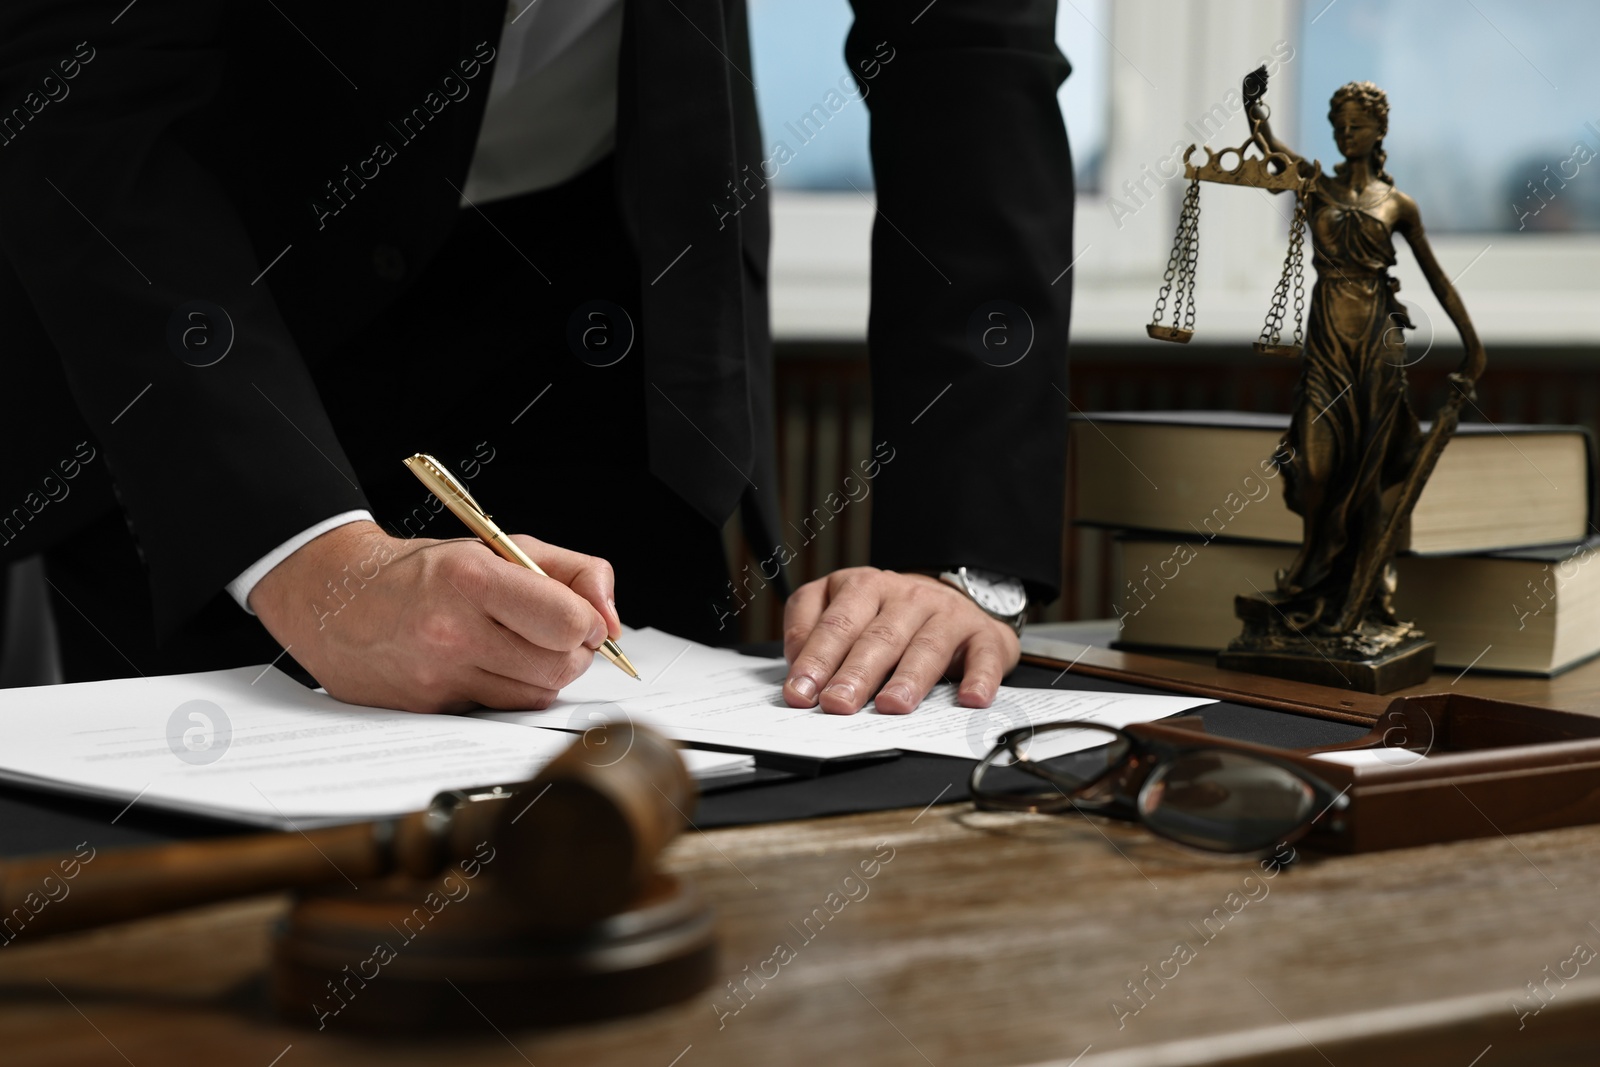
x: 251, y: 256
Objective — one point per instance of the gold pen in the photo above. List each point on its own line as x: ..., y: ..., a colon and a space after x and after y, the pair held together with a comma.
x: 442, y: 484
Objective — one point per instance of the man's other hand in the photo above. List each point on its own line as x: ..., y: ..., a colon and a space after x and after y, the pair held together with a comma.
x: 844, y: 634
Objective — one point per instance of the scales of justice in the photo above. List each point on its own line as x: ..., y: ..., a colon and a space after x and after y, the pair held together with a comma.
x: 1358, y: 458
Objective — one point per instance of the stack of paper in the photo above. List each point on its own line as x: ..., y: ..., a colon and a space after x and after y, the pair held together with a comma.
x: 255, y: 746
x: 704, y: 695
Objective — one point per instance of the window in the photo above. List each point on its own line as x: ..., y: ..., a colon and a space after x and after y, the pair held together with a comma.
x: 798, y: 48
x: 823, y: 206
x: 1494, y: 126
x: 1484, y: 94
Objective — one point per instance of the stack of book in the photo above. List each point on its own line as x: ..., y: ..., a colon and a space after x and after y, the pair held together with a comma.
x: 1495, y: 568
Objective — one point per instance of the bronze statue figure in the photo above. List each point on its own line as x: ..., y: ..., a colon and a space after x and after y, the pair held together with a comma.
x: 1359, y: 458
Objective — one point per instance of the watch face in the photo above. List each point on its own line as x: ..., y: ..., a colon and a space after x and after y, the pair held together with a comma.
x: 996, y: 593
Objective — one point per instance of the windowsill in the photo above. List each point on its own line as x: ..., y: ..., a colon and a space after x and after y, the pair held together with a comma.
x: 1524, y: 290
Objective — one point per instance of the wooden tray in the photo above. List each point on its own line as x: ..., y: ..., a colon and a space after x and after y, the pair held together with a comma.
x: 1451, y: 766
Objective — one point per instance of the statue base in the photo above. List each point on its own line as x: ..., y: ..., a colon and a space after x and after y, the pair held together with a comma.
x: 1374, y: 658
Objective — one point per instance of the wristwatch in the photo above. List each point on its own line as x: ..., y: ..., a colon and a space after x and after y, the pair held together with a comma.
x: 1000, y: 597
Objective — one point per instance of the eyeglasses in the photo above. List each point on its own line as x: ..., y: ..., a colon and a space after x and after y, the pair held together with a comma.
x: 1208, y: 797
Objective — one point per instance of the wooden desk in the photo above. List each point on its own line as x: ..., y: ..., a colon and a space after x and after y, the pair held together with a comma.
x: 985, y: 939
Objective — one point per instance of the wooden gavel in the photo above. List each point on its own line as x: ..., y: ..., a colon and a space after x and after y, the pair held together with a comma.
x: 573, y: 846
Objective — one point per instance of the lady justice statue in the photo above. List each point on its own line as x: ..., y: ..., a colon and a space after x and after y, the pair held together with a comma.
x: 1359, y: 458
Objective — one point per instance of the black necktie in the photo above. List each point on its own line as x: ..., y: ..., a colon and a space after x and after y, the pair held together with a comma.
x: 675, y: 159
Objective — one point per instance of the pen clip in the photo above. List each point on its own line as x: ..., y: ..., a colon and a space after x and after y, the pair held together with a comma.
x: 448, y: 480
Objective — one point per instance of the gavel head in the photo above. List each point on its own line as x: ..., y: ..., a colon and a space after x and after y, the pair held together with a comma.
x: 581, y: 840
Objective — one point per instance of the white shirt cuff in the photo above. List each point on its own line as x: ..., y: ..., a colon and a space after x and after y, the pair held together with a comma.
x: 241, y: 587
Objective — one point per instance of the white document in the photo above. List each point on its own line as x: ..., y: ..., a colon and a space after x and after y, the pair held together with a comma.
x: 1373, y: 757
x: 715, y: 696
x: 253, y: 745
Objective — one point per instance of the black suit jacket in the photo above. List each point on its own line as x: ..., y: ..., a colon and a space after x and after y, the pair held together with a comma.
x: 215, y: 153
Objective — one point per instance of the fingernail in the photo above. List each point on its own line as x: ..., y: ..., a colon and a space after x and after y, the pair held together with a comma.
x: 898, y: 692
x: 804, y: 686
x: 597, y: 634
x: 612, y: 604
x: 840, y: 690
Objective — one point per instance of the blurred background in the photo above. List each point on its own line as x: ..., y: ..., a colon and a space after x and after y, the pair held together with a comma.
x: 1479, y: 111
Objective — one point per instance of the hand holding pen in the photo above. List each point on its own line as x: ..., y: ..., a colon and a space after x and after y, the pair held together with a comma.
x: 442, y: 484
x: 438, y: 625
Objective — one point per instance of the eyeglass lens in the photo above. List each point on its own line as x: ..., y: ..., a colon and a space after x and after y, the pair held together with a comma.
x: 1070, y: 755
x: 1225, y: 801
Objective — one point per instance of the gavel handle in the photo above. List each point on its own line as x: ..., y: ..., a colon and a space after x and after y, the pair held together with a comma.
x: 38, y: 897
